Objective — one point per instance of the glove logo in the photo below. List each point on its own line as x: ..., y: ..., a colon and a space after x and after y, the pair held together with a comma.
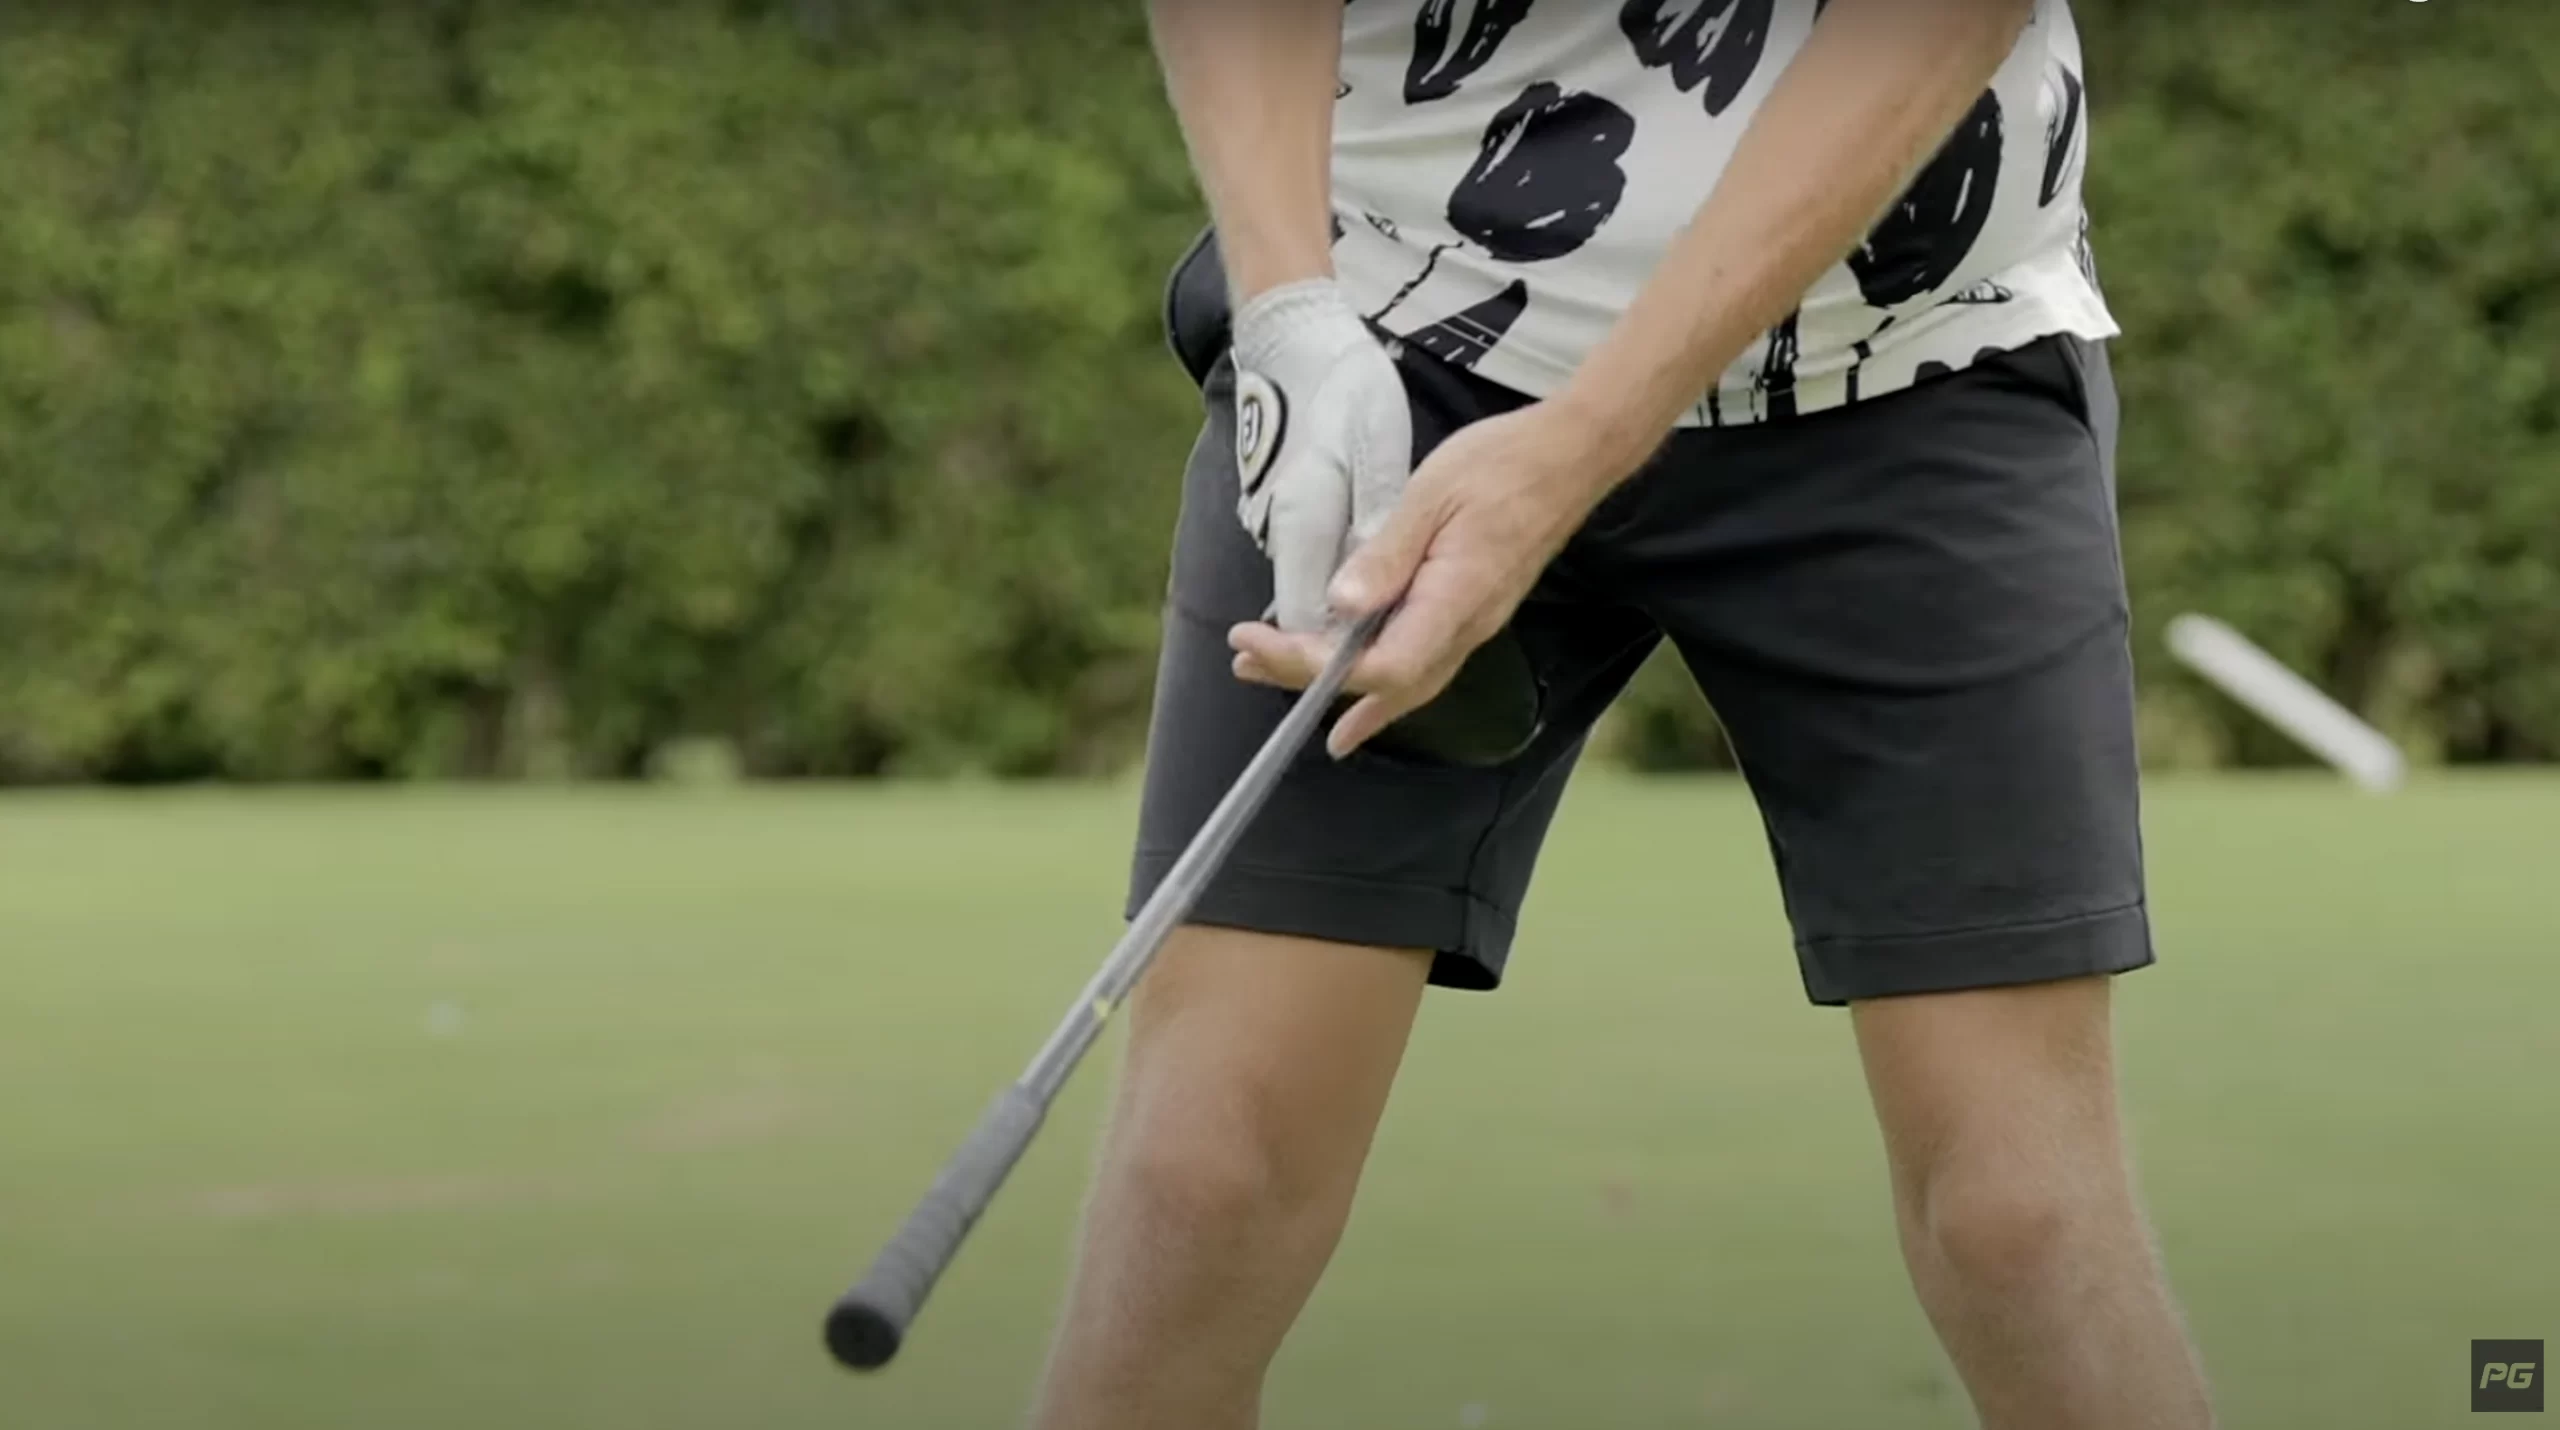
x: 1262, y: 418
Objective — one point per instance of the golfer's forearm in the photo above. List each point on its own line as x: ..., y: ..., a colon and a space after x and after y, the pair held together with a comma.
x: 1254, y: 86
x: 1872, y: 95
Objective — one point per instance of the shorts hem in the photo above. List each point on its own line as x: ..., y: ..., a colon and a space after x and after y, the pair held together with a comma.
x: 1469, y: 938
x: 1840, y: 971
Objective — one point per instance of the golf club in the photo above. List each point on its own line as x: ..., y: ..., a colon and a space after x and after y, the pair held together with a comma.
x: 870, y: 1322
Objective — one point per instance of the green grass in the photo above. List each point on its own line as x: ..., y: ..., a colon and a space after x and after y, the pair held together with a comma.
x: 698, y: 1053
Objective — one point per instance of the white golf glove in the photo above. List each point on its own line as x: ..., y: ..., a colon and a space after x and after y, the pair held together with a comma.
x: 1324, y: 440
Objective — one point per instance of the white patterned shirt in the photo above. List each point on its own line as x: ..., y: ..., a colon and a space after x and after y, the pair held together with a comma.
x: 1508, y: 173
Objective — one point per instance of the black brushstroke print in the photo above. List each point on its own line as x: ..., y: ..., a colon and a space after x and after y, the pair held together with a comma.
x: 1984, y: 294
x: 1933, y: 369
x: 1865, y: 348
x: 1711, y: 44
x: 1430, y: 265
x: 1930, y: 232
x: 1777, y: 379
x: 1437, y: 69
x: 1464, y: 338
x: 2060, y: 133
x: 2085, y: 255
x: 1546, y: 176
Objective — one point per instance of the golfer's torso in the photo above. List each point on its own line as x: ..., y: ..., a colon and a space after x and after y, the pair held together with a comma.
x: 1508, y: 173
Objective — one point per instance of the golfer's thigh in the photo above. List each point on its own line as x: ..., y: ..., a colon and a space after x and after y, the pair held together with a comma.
x: 1373, y: 851
x: 1994, y: 1092
x: 1931, y: 841
x: 1281, y: 1050
x: 1919, y: 645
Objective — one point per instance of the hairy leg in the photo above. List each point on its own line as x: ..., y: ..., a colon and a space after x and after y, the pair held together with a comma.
x: 1257, y: 1070
x: 2018, y: 1211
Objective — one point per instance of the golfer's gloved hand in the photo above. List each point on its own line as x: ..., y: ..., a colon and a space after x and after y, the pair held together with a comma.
x: 1324, y: 440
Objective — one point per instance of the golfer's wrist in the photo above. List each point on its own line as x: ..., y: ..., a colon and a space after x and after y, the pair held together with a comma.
x: 1261, y: 263
x: 1612, y: 437
x: 1268, y: 323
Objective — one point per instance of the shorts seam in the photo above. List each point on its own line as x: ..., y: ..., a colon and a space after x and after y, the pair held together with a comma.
x: 1973, y: 931
x: 2084, y: 415
x: 1201, y: 619
x: 1474, y: 905
x: 1502, y: 801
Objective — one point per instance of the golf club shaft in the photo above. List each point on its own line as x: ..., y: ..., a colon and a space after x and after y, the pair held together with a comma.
x: 1180, y: 890
x: 868, y: 1323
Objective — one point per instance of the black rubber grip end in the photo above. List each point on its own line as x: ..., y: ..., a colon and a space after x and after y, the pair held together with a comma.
x: 860, y: 1338
x: 868, y: 1324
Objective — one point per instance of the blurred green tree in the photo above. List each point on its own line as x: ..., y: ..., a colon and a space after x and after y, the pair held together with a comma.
x: 2335, y: 249
x: 500, y: 390
x: 458, y: 389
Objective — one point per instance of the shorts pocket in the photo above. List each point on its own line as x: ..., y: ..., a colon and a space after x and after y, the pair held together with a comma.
x: 2072, y: 355
x: 1196, y: 317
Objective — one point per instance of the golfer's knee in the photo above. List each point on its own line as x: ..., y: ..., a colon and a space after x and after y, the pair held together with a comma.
x: 2006, y: 1227
x: 2016, y: 1218
x: 1194, y: 1184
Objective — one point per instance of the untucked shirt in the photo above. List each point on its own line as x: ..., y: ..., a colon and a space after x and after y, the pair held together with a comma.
x: 1507, y: 174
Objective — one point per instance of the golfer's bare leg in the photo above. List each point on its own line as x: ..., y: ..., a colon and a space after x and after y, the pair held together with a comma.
x: 1256, y: 1073
x: 2018, y: 1211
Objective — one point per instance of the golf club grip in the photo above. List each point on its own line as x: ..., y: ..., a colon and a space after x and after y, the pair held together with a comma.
x: 867, y: 1325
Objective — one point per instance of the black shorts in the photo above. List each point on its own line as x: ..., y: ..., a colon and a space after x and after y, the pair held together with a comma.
x: 1909, y: 614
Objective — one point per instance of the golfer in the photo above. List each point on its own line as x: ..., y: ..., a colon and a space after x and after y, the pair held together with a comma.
x: 1765, y: 327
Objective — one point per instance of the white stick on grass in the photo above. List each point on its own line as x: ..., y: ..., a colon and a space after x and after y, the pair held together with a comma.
x: 2285, y: 700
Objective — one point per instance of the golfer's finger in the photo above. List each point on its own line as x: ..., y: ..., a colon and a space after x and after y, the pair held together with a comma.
x: 1254, y: 672
x: 1310, y: 523
x: 1267, y: 655
x: 1372, y: 714
x: 1360, y: 724
x: 1381, y: 567
x: 1415, y: 641
x: 1412, y: 661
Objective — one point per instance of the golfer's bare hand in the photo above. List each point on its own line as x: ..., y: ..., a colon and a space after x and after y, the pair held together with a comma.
x: 1479, y: 521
